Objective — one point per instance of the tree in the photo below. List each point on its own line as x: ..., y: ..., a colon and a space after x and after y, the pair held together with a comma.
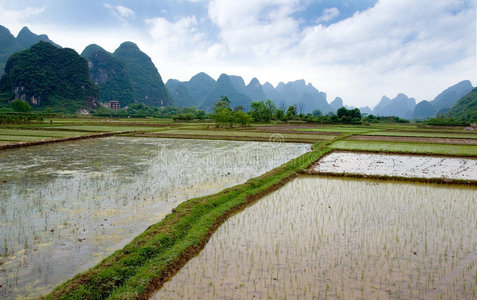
x: 242, y: 118
x: 352, y: 116
x: 222, y: 112
x: 224, y: 102
x: 262, y: 111
x: 291, y: 112
x: 279, y: 115
x: 201, y: 115
x: 21, y: 106
x: 316, y: 113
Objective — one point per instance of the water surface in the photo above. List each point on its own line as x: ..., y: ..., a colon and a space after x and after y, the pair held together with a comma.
x: 64, y: 207
x: 398, y: 165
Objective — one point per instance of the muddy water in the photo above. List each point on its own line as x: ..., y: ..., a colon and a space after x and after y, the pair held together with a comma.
x: 398, y: 165
x: 319, y: 238
x: 65, y: 207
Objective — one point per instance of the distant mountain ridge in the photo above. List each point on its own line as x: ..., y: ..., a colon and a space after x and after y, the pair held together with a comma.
x: 203, y: 91
x: 405, y: 107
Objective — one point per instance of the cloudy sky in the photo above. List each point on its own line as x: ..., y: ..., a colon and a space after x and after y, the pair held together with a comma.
x: 356, y: 49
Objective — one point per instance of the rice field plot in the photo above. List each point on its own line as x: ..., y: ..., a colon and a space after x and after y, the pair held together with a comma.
x: 41, y: 133
x: 402, y: 147
x: 65, y: 207
x: 23, y: 138
x: 106, y: 128
x: 328, y: 238
x: 425, y: 134
x: 410, y: 166
x: 338, y: 129
x: 247, y: 134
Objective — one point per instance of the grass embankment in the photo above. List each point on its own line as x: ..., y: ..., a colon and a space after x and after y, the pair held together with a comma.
x: 406, y: 148
x: 157, y: 254
x: 425, y: 134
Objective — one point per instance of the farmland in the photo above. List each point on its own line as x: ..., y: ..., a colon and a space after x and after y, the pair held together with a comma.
x: 75, y: 198
x: 356, y: 239
x: 121, y: 180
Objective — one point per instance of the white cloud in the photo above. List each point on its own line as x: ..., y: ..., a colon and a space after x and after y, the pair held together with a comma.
x: 255, y: 27
x: 175, y: 38
x: 395, y: 44
x: 16, y: 19
x: 415, y: 47
x: 328, y: 15
x: 122, y: 13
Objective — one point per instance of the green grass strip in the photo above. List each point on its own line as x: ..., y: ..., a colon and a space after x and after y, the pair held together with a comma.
x: 405, y: 147
x: 156, y: 254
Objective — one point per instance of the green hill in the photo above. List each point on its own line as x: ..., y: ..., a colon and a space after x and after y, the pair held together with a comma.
x: 466, y: 108
x: 110, y: 75
x: 146, y: 81
x: 8, y: 46
x: 179, y: 93
x: 45, y: 75
x: 26, y: 38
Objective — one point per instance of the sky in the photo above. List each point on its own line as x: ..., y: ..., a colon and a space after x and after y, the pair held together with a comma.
x: 358, y: 50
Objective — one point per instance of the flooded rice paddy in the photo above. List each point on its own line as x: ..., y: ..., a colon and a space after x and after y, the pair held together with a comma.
x: 65, y: 207
x: 329, y: 238
x: 398, y: 165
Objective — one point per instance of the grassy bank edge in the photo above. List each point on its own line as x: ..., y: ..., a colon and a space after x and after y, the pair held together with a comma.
x: 154, y: 256
x: 59, y: 140
x: 439, y: 181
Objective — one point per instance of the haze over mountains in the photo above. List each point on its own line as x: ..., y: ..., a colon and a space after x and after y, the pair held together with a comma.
x: 128, y: 75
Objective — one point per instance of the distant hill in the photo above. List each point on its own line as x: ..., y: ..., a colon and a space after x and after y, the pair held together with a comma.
x: 225, y: 87
x: 255, y: 90
x: 146, y: 80
x: 449, y: 97
x: 9, y: 44
x: 424, y: 110
x: 45, y: 75
x: 336, y: 104
x: 271, y: 92
x: 401, y: 106
x: 305, y: 96
x: 380, y: 108
x: 366, y: 110
x: 180, y: 93
x: 443, y: 102
x: 202, y: 91
x: 466, y: 108
x: 239, y: 85
x: 190, y: 93
x: 26, y: 38
x: 110, y: 75
x: 199, y: 87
